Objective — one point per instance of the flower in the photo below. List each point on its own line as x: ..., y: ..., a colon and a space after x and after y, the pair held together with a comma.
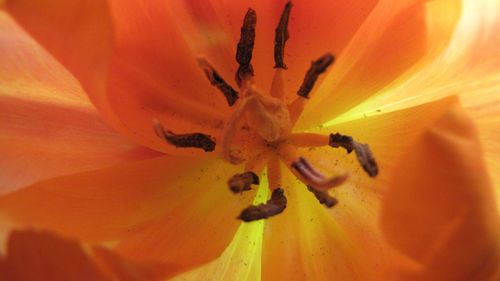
x: 137, y: 62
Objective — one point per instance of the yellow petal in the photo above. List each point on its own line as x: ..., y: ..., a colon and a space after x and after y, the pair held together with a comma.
x: 306, y: 242
x: 395, y: 37
x: 439, y: 208
x: 242, y: 258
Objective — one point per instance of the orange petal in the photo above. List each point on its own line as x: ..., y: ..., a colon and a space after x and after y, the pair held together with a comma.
x: 49, y: 128
x: 306, y: 243
x: 77, y: 33
x: 154, y: 74
x: 151, y: 72
x: 395, y: 36
x: 43, y: 256
x: 439, y: 208
x: 125, y: 270
x: 179, y: 209
x: 37, y: 256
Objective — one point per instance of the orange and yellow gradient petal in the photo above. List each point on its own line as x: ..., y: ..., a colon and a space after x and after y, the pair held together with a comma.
x: 167, y: 209
x: 439, y: 210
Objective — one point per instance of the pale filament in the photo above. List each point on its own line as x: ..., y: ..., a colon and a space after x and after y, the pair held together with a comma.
x: 309, y: 140
x: 305, y: 172
x: 295, y: 108
x: 278, y: 84
x: 274, y: 172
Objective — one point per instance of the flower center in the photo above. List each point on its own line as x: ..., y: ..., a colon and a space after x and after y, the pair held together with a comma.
x: 259, y: 131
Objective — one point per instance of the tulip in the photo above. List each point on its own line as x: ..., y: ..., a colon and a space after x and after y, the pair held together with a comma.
x: 132, y: 153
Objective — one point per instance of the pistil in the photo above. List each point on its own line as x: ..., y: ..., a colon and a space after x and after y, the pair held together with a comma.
x: 259, y: 130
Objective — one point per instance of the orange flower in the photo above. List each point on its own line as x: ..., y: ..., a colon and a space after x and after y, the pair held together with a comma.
x: 400, y: 65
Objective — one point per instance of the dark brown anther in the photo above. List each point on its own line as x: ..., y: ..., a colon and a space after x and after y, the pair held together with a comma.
x: 216, y: 80
x: 245, y: 47
x: 194, y: 140
x: 312, y: 177
x: 242, y: 182
x: 272, y: 207
x: 317, y: 67
x: 338, y: 140
x: 323, y: 197
x: 281, y: 36
x: 363, y: 152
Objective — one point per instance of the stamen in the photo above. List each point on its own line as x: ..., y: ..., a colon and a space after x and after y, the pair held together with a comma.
x: 281, y: 36
x: 314, y: 178
x: 274, y: 172
x: 242, y: 182
x: 194, y: 140
x: 309, y: 140
x: 245, y: 47
x: 217, y: 81
x: 338, y: 140
x: 278, y: 85
x: 317, y: 67
x: 363, y: 152
x: 272, y: 207
x: 323, y: 197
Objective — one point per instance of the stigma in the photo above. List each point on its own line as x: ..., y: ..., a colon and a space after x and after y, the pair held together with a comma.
x: 259, y: 132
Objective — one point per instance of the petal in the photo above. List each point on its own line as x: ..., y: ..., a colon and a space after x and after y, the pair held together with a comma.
x: 396, y: 36
x: 242, y: 258
x: 470, y: 71
x: 168, y: 209
x: 123, y: 63
x: 38, y: 256
x: 126, y: 270
x: 77, y: 33
x: 43, y: 256
x: 467, y: 65
x: 439, y: 208
x: 49, y: 128
x: 306, y: 243
x: 154, y: 74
